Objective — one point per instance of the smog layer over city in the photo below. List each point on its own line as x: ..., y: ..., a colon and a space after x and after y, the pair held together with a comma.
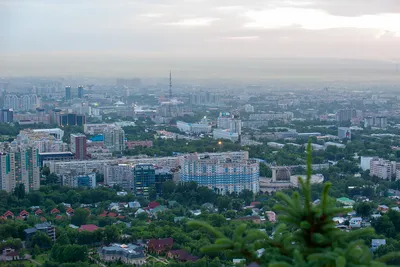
x: 199, y: 133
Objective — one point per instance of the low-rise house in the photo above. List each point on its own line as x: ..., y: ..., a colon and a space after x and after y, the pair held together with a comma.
x: 345, y: 201
x: 181, y: 255
x: 208, y: 206
x: 375, y: 243
x: 139, y: 211
x: 395, y: 208
x: 158, y: 209
x: 69, y: 212
x: 153, y: 205
x: 338, y: 220
x: 271, y: 216
x: 126, y: 253
x: 9, y: 254
x: 88, y: 227
x: 159, y: 246
x: 38, y: 212
x: 8, y: 214
x: 195, y: 212
x: 383, y: 208
x: 355, y: 222
x: 54, y: 211
x: 24, y: 214
x: 45, y: 227
x: 134, y: 205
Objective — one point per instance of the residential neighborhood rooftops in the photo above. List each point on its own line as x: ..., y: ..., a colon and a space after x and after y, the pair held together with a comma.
x: 88, y: 227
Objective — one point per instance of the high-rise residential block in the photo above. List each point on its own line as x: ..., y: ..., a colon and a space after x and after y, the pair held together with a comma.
x: 78, y: 146
x: 20, y: 165
x: 224, y: 175
x: 144, y: 177
x: 114, y: 138
x: 67, y: 93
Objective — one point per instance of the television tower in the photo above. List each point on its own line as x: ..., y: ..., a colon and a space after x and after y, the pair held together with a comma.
x: 170, y: 95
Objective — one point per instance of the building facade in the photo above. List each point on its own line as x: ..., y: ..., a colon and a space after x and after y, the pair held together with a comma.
x: 221, y: 174
x: 114, y: 138
x: 194, y: 128
x: 126, y: 253
x: 344, y: 133
x: 121, y: 174
x: 78, y: 146
x: 144, y: 177
x: 20, y: 165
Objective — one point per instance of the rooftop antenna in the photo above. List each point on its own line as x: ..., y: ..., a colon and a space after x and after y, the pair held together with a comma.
x: 170, y: 94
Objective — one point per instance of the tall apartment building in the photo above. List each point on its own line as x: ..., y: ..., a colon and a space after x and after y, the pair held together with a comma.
x: 224, y: 120
x: 346, y: 114
x: 46, y: 140
x: 248, y: 108
x: 114, y: 138
x: 344, y: 133
x: 20, y: 165
x: 80, y: 91
x: 6, y: 115
x: 381, y: 121
x: 78, y: 146
x: 67, y: 93
x: 71, y: 119
x: 22, y: 103
x: 227, y: 174
x: 120, y: 174
x: 383, y: 169
x: 144, y: 177
x: 85, y: 180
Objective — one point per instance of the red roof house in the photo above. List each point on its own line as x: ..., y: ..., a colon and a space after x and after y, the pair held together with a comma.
x: 23, y: 213
x: 153, y: 205
x: 8, y: 214
x: 54, y: 211
x: 69, y: 211
x: 159, y: 246
x: 39, y: 211
x: 112, y: 214
x: 43, y: 219
x: 88, y: 227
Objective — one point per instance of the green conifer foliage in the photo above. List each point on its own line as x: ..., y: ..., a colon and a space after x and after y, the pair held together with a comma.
x: 306, y: 235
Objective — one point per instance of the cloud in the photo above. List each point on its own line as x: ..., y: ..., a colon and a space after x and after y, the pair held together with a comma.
x: 314, y: 19
x: 245, y: 38
x: 193, y: 22
x: 152, y: 15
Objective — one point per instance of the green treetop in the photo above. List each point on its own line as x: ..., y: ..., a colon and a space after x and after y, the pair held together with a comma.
x: 306, y: 236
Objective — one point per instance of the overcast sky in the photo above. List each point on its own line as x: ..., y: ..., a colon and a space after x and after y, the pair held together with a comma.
x: 39, y: 31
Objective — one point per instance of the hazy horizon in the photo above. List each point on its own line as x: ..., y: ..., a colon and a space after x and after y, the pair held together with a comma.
x: 201, y: 38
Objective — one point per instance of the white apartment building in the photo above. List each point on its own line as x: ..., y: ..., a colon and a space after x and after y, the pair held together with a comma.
x: 114, y: 138
x: 271, y: 116
x: 383, y: 169
x: 221, y: 174
x: 248, y: 108
x: 225, y: 134
x: 94, y: 129
x: 195, y: 128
